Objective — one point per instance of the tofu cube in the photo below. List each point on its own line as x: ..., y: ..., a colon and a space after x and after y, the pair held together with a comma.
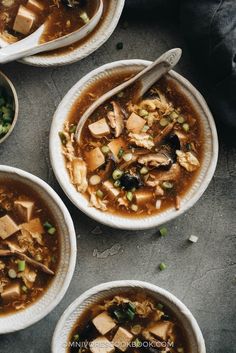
x: 35, y: 6
x: 33, y: 226
x: 11, y: 292
x: 25, y: 209
x: 100, y: 128
x: 122, y: 339
x: 161, y: 329
x: 103, y: 323
x: 135, y: 123
x: 101, y: 345
x: 115, y: 146
x: 7, y: 227
x: 24, y: 20
x: 95, y: 159
x: 111, y: 190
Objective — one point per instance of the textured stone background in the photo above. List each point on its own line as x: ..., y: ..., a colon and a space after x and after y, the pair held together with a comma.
x: 201, y: 275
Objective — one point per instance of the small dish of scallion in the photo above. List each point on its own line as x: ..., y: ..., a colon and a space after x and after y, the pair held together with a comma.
x: 8, y: 107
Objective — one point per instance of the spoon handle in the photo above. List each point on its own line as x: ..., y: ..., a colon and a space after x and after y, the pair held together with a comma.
x: 148, y: 77
x: 158, y: 68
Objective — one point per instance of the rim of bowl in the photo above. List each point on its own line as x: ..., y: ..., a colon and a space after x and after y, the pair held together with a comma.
x: 82, y: 51
x: 72, y: 237
x: 16, y: 105
x: 107, y: 218
x: 171, y: 298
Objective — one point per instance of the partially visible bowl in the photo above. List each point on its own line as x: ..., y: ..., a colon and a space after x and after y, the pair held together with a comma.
x: 10, y: 89
x: 58, y: 287
x: 85, y: 47
x: 197, y: 188
x: 75, y: 310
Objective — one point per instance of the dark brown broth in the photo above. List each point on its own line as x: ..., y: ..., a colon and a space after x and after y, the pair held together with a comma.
x: 52, y: 242
x: 84, y: 323
x: 173, y: 94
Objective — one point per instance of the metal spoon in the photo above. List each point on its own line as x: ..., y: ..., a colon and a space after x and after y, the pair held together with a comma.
x: 31, y: 44
x: 147, y: 77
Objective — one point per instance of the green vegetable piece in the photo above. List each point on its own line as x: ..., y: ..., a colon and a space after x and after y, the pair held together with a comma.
x: 143, y: 113
x: 117, y: 183
x: 137, y: 343
x: 163, y: 231
x: 47, y: 225
x: 160, y: 306
x: 12, y: 273
x: 186, y: 127
x: 144, y: 170
x: 120, y: 153
x: 62, y: 137
x: 24, y: 289
x: 105, y: 149
x: 167, y: 185
x: 117, y: 174
x: 162, y: 266
x: 72, y: 128
x: 100, y: 194
x: 164, y: 122
x: 21, y: 265
x: 52, y: 230
x: 119, y: 46
x: 76, y: 337
x: 129, y: 196
x: 180, y: 119
x: 84, y: 17
x: 120, y: 94
x: 134, y: 207
x: 174, y: 115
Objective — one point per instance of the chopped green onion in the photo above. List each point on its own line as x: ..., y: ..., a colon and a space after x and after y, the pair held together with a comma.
x: 72, y: 128
x: 174, y: 115
x: 163, y: 231
x: 47, y: 225
x: 144, y: 170
x: 129, y: 196
x: 105, y: 149
x: 143, y: 112
x: 62, y: 137
x: 24, y: 289
x: 127, y: 157
x: 21, y: 265
x: 186, y: 127
x: 38, y: 257
x: 52, y: 230
x: 180, y: 119
x: 180, y: 350
x: 162, y: 266
x: 120, y: 153
x: 84, y: 17
x: 164, y: 122
x: 119, y: 46
x: 76, y: 337
x: 117, y: 174
x: 120, y: 94
x: 99, y: 194
x: 160, y: 306
x: 117, y: 183
x: 12, y: 273
x: 134, y: 207
x: 137, y: 343
x: 145, y: 128
x: 167, y: 185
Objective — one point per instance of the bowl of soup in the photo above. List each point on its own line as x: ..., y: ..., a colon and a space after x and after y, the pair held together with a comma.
x: 37, y: 249
x: 9, y: 107
x: 138, y: 163
x: 127, y: 316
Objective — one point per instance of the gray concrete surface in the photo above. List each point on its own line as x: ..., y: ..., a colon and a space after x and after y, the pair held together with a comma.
x: 201, y: 275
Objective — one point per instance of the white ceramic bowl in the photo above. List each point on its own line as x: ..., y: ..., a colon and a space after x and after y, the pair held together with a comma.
x: 73, y: 312
x: 59, y: 285
x: 8, y: 85
x: 100, y: 36
x: 205, y: 174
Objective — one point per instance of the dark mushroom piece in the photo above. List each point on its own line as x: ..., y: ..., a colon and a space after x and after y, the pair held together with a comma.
x: 109, y: 168
x: 128, y: 181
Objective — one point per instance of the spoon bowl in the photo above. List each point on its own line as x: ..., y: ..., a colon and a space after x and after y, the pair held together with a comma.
x: 31, y: 45
x: 147, y: 78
